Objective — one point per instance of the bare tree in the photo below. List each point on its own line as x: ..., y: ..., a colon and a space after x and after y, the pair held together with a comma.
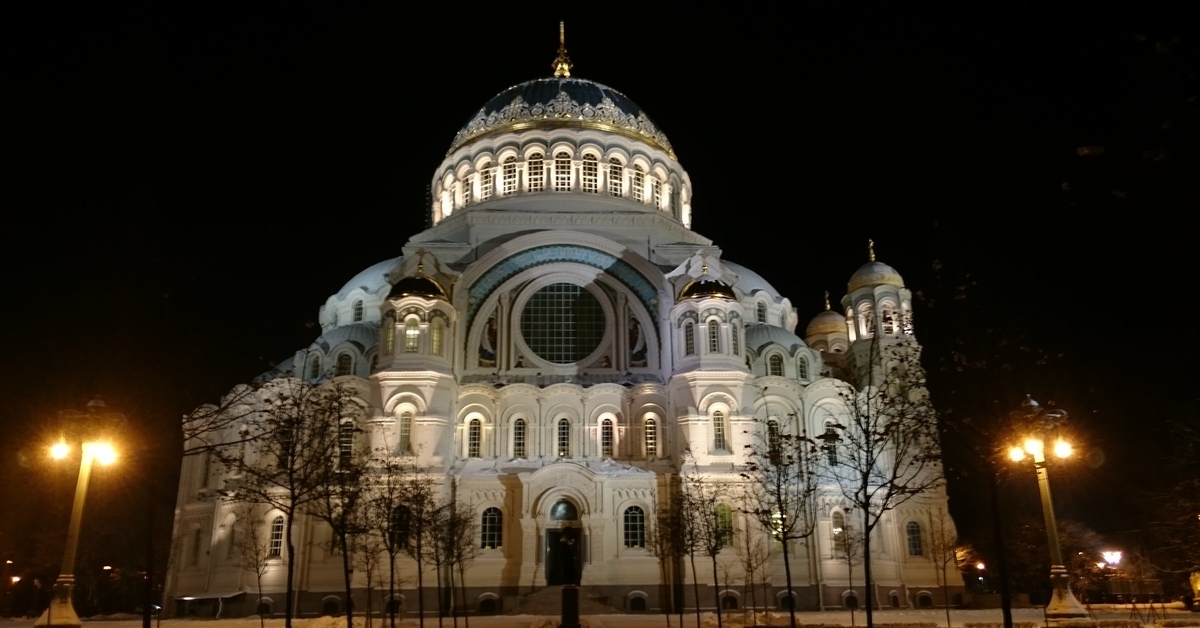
x: 943, y: 541
x: 781, y: 485
x: 712, y: 526
x: 883, y: 449
x: 400, y: 514
x: 253, y: 553
x: 754, y: 553
x: 667, y: 543
x: 848, y: 546
x: 287, y: 431
x: 366, y: 551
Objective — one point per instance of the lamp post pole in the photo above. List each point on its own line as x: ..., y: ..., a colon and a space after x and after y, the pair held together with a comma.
x: 1063, y: 604
x: 61, y: 612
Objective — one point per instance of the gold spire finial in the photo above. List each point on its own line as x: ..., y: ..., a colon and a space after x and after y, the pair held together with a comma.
x: 826, y: 300
x: 562, y: 63
x: 870, y: 250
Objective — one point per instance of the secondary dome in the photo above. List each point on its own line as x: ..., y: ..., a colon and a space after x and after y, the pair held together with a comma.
x: 562, y: 102
x: 707, y: 288
x: 827, y: 322
x: 875, y: 274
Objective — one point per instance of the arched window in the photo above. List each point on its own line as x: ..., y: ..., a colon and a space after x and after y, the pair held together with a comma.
x: 639, y: 183
x: 838, y: 530
x: 474, y: 435
x: 412, y: 335
x: 651, y: 438
x: 314, y: 367
x: 718, y: 420
x: 689, y: 339
x: 714, y: 337
x: 564, y: 438
x: 616, y: 177
x: 562, y: 171
x: 831, y: 439
x: 275, y: 545
x: 389, y: 332
x: 537, y: 172
x: 519, y: 438
x: 404, y: 433
x: 435, y: 338
x: 635, y: 527
x: 724, y: 525
x: 606, y: 438
x: 735, y: 333
x: 656, y: 191
x: 345, y: 444
x: 358, y: 311
x: 399, y: 526
x: 773, y: 437
x: 486, y: 182
x: 590, y: 174
x: 345, y: 364
x: 509, y: 176
x: 775, y: 365
x: 913, y: 531
x: 867, y: 313
x: 465, y: 187
x: 491, y: 529
x: 761, y: 312
x: 802, y: 368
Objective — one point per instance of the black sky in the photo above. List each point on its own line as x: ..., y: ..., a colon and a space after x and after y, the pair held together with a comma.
x: 184, y: 185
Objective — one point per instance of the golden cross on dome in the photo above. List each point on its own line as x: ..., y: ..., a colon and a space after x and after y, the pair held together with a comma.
x: 826, y: 300
x: 870, y: 250
x: 562, y: 63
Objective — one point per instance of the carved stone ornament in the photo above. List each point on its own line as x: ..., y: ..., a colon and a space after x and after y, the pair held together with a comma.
x: 562, y: 109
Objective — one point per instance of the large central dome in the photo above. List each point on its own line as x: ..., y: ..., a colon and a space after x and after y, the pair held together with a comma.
x: 559, y: 103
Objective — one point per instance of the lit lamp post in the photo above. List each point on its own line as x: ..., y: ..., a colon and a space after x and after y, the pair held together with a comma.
x: 61, y: 612
x: 1063, y: 605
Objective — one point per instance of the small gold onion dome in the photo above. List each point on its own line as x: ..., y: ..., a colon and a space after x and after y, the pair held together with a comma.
x: 706, y: 288
x: 827, y: 322
x: 419, y: 285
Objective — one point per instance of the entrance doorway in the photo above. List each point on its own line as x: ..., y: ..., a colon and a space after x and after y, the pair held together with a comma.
x: 563, y: 553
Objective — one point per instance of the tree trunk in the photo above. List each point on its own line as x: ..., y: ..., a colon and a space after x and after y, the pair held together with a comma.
x: 716, y: 589
x: 420, y: 584
x: 787, y: 576
x: 695, y: 588
x: 870, y: 595
x: 346, y: 573
x: 291, y: 570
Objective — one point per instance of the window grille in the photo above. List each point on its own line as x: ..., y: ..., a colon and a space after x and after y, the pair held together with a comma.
x: 838, y: 525
x: 474, y: 432
x: 519, y: 438
x: 358, y: 311
x: 735, y: 332
x: 564, y: 438
x: 345, y: 364
x: 802, y: 368
x: 536, y: 173
x: 639, y: 184
x: 831, y: 439
x: 689, y: 339
x: 656, y: 189
x: 491, y: 528
x: 404, y: 433
x: 773, y: 436
x: 510, y: 176
x: 724, y: 525
x: 412, y: 335
x: 465, y: 186
x: 314, y: 367
x: 591, y: 174
x: 606, y: 438
x: 761, y: 310
x: 485, y: 181
x: 635, y: 527
x: 775, y: 365
x: 345, y: 444
x: 718, y: 419
x: 651, y: 438
x: 389, y: 333
x: 616, y: 177
x: 398, y: 526
x: 915, y: 547
x: 436, y: 337
x: 714, y: 337
x: 562, y: 172
x: 276, y: 545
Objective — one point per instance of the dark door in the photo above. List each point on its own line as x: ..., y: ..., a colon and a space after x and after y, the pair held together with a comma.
x: 563, y: 556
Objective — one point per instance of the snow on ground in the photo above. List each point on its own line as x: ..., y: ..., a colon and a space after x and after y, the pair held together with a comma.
x: 958, y: 618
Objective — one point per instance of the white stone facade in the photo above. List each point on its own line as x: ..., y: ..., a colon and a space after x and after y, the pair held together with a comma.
x: 560, y: 335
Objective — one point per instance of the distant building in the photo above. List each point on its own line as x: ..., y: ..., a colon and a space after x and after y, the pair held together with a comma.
x: 556, y: 343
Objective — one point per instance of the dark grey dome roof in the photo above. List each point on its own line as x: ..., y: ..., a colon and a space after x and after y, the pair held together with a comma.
x: 562, y: 102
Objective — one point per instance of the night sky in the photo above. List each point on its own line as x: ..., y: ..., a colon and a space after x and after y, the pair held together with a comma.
x: 183, y: 186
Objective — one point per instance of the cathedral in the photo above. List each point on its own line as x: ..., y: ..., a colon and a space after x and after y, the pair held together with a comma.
x: 561, y: 347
